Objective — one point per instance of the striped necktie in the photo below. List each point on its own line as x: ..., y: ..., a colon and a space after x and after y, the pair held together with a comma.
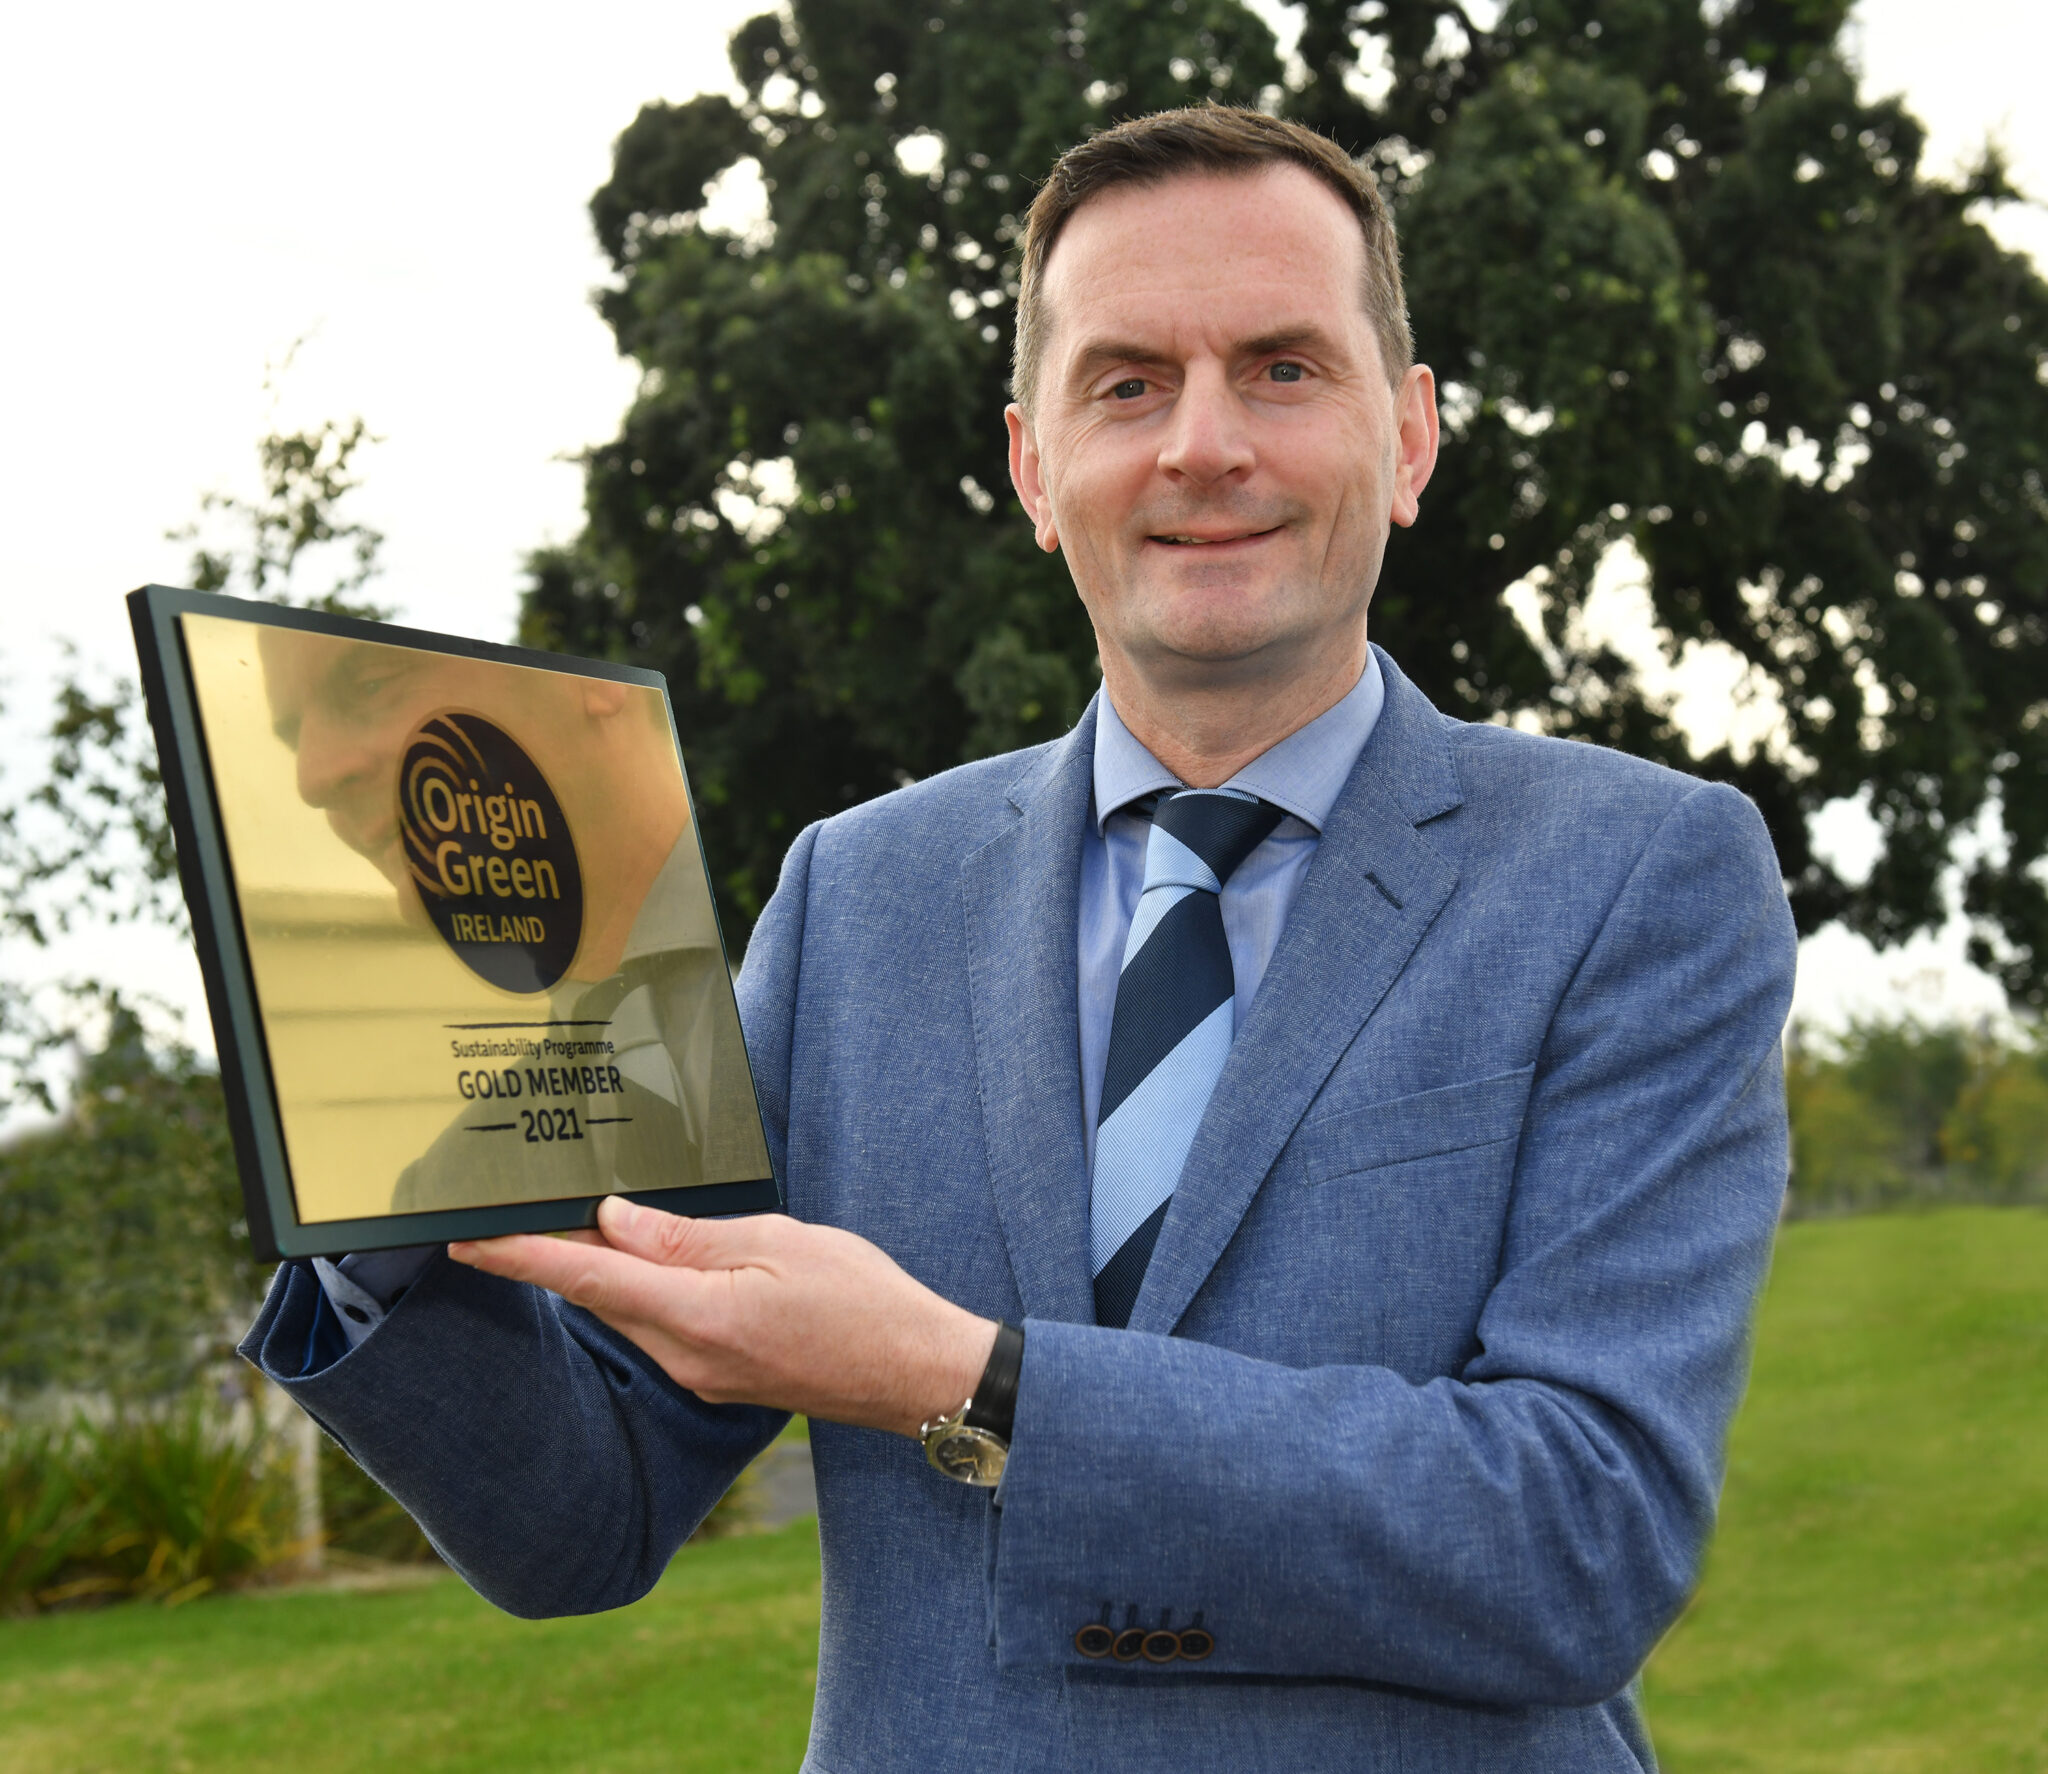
x: 1170, y: 1032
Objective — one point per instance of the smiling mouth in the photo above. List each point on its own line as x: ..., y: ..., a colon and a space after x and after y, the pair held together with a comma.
x: 1214, y: 541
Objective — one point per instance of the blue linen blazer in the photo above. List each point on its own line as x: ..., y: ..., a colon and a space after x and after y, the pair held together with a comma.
x: 1422, y: 1405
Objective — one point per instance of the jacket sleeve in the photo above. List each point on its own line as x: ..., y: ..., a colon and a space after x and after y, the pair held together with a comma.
x: 550, y: 1462
x: 1522, y: 1532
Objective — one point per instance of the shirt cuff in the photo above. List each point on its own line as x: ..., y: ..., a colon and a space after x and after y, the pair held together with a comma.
x: 363, y: 1287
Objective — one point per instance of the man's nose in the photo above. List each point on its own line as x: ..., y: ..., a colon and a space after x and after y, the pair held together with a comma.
x: 1208, y: 437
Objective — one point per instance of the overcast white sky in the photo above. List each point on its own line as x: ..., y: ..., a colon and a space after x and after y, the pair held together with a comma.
x: 186, y: 191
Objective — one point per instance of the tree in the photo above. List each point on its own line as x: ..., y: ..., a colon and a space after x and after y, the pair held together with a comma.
x: 1889, y: 1113
x: 128, y: 1261
x: 1685, y: 288
x: 91, y: 841
x: 806, y: 519
x: 129, y: 1267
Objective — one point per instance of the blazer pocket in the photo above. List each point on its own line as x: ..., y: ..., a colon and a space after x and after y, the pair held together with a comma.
x: 1456, y: 1118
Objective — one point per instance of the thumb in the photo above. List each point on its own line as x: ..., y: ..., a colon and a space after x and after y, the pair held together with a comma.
x: 673, y: 1240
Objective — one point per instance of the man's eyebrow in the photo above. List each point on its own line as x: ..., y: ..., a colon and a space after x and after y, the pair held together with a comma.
x: 1105, y: 352
x: 1292, y: 338
x: 1098, y: 356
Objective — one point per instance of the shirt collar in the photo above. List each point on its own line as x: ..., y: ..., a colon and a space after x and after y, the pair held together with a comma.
x: 1302, y: 775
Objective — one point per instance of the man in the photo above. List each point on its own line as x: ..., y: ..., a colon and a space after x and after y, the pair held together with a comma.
x: 1375, y: 1362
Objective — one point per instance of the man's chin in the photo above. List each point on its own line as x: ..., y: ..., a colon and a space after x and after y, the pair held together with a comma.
x: 1208, y: 659
x: 1218, y: 631
x: 389, y: 861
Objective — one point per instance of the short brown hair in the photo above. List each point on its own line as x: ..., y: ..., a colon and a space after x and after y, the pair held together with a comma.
x: 1217, y: 139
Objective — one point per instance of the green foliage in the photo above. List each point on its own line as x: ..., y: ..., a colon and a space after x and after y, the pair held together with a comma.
x: 105, y: 852
x: 1996, y: 1136
x: 128, y: 1264
x: 360, y: 1516
x: 306, y: 476
x: 190, y: 1505
x: 152, y: 1506
x: 172, y: 1502
x: 1889, y: 1113
x: 806, y: 519
x: 1684, y: 287
x: 90, y: 842
x: 1847, y: 1151
x: 45, y: 1515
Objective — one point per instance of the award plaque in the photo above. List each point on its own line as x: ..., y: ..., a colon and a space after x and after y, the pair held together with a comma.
x: 456, y: 926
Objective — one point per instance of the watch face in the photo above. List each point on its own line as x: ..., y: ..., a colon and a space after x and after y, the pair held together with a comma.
x: 973, y: 1456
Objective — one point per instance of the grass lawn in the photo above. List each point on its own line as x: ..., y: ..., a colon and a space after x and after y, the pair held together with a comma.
x: 1876, y: 1603
x: 714, y: 1670
x: 1877, y: 1599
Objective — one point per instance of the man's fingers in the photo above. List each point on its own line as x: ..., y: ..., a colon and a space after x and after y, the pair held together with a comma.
x: 553, y: 1263
x: 614, y: 1284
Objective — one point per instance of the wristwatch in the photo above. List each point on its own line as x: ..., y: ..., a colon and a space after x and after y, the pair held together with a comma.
x: 972, y: 1443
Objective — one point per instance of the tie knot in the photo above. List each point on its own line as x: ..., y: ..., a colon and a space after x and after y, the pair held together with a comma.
x: 1214, y: 827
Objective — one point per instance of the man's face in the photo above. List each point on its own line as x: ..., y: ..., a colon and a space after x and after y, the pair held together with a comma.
x: 1216, y: 448
x: 347, y: 709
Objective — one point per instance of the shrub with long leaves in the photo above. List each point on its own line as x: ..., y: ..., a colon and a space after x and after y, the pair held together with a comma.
x: 160, y: 1507
x: 45, y: 1516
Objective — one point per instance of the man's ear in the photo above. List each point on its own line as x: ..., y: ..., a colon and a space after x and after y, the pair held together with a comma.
x: 603, y: 698
x: 1414, y: 442
x: 1026, y: 478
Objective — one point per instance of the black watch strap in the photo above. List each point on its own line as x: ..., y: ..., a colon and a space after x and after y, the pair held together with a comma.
x: 994, y: 1406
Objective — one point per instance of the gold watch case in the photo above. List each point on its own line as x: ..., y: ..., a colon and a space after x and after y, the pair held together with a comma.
x: 970, y: 1455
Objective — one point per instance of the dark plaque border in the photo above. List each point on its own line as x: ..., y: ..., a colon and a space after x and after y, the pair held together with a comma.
x: 274, y: 1226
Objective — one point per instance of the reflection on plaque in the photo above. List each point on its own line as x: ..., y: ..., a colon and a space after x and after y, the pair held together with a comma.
x: 471, y: 927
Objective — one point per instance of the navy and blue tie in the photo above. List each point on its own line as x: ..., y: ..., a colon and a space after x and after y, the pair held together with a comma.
x: 1170, y: 1032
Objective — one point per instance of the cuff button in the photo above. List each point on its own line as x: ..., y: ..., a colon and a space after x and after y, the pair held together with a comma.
x: 1094, y: 1641
x: 1162, y: 1646
x: 1128, y: 1644
x: 1195, y: 1644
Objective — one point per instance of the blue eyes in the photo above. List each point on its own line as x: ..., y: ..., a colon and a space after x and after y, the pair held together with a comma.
x: 1129, y: 390
x: 1285, y: 372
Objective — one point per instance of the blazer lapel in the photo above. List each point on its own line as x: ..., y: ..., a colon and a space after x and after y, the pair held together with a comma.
x: 1374, y: 888
x: 1021, y: 894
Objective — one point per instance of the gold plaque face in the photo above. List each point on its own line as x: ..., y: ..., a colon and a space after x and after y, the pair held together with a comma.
x: 477, y: 923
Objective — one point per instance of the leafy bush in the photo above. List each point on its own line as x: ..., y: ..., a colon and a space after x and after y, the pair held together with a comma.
x: 363, y: 1520
x: 1887, y: 1114
x: 45, y: 1515
x: 1847, y: 1150
x: 191, y: 1503
x: 1996, y: 1136
x: 163, y: 1507
x: 122, y: 1224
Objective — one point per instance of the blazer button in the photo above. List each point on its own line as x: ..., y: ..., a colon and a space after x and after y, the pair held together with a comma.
x: 1094, y: 1640
x: 1161, y: 1646
x: 1129, y: 1643
x: 1195, y: 1644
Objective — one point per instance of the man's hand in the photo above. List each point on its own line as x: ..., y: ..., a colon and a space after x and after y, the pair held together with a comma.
x: 761, y: 1310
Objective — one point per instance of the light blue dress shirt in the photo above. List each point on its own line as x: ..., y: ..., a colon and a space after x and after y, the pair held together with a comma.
x: 1302, y: 775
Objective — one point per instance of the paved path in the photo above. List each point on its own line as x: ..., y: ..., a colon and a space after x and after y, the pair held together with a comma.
x: 783, y: 1490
